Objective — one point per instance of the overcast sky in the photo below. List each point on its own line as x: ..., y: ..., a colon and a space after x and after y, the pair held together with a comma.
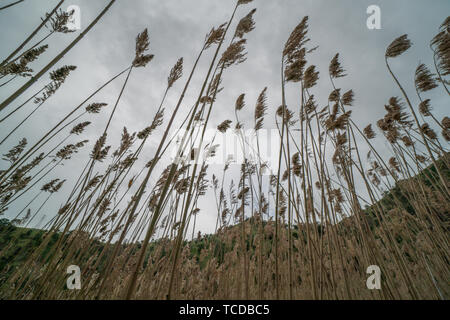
x: 177, y: 29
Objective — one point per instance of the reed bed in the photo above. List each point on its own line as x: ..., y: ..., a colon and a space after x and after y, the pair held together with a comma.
x: 308, y: 229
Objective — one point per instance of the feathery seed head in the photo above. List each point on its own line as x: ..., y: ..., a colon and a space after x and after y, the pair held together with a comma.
x: 311, y: 77
x: 59, y: 22
x: 99, y: 153
x: 175, y: 73
x: 441, y: 47
x: 224, y: 126
x: 335, y: 69
x: 424, y: 79
x: 157, y: 121
x: 428, y: 131
x: 297, y: 39
x: 79, y: 128
x: 368, y: 132
x: 446, y: 122
x: 425, y: 107
x: 95, y: 107
x: 347, y: 98
x: 260, y: 109
x: 242, y: 2
x: 215, y: 35
x: 240, y: 103
x: 446, y: 134
x: 142, y: 45
x: 245, y: 25
x: 60, y: 75
x: 234, y: 54
x: 335, y: 95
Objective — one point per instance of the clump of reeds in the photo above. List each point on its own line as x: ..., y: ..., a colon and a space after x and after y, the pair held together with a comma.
x: 307, y: 231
